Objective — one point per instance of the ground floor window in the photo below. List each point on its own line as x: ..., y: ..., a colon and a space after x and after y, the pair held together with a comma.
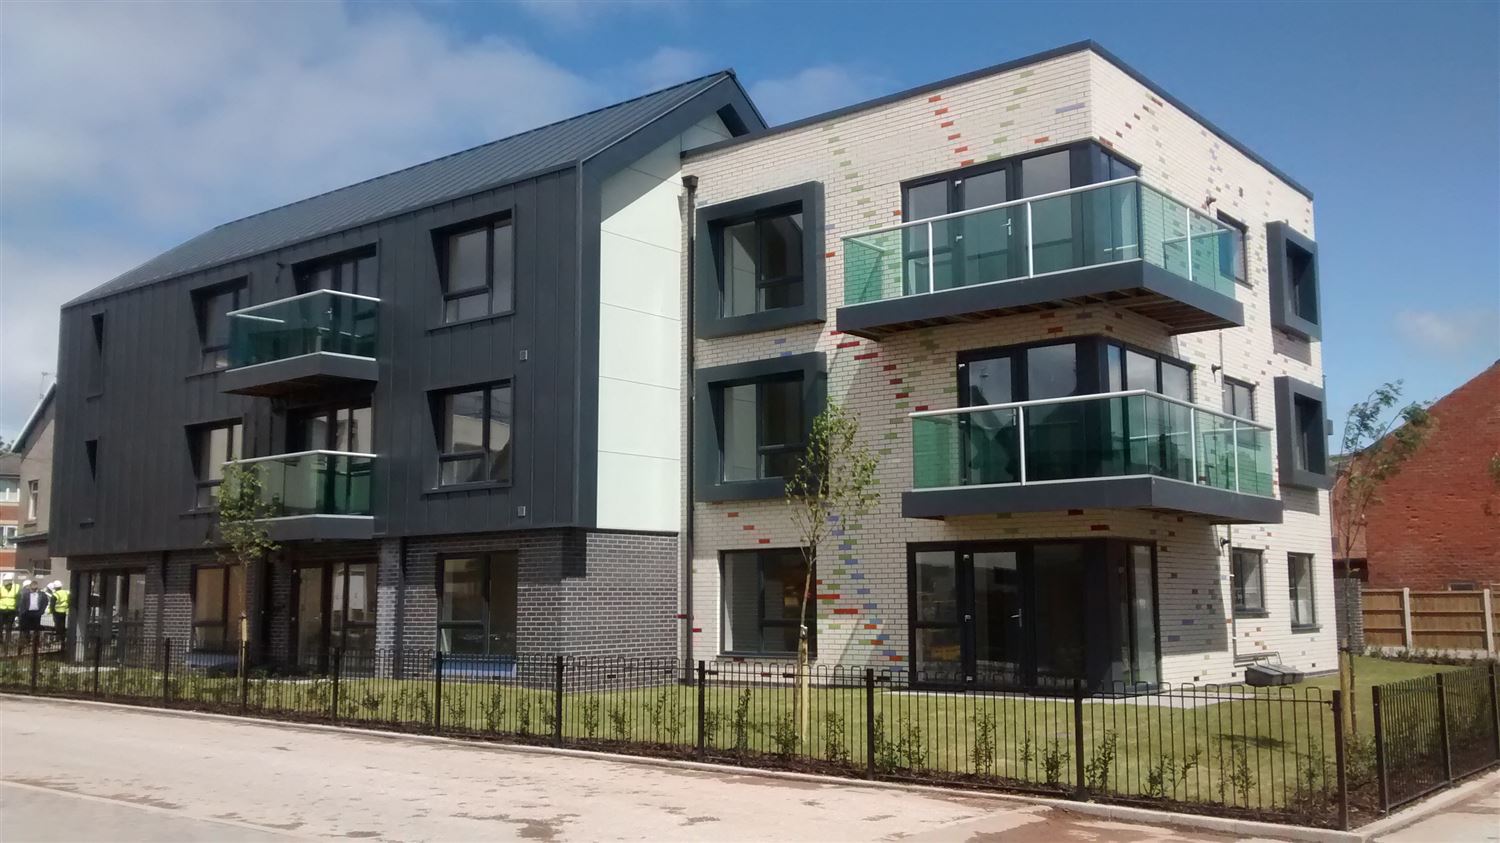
x: 1248, y: 579
x: 218, y: 602
x: 761, y: 594
x: 1042, y: 614
x: 335, y: 610
x: 113, y: 610
x: 1300, y: 581
x: 477, y: 604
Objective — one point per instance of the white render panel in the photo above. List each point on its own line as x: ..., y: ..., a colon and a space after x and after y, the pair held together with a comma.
x: 861, y: 158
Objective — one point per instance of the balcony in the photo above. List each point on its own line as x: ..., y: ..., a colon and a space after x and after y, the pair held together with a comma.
x: 317, y: 494
x: 306, y: 342
x: 1118, y: 450
x: 1121, y: 243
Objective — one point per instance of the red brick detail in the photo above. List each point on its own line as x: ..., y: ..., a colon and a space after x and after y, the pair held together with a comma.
x: 872, y: 626
x: 960, y: 150
x: 1055, y: 329
x: 697, y: 629
x: 894, y: 658
x: 920, y: 407
x: 830, y: 254
x: 748, y: 527
x: 895, y: 381
x: 1099, y: 527
x: 731, y: 515
x: 849, y: 344
x: 946, y: 124
x: 682, y: 616
x: 900, y: 395
x: 835, y: 332
x: 828, y: 596
x: 955, y: 136
x: 889, y: 367
x: 934, y: 97
x: 1043, y: 139
x: 763, y: 541
x: 966, y: 162
x: 868, y: 355
x: 846, y: 611
x: 940, y: 112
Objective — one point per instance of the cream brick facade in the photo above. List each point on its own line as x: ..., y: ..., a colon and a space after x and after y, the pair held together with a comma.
x: 862, y: 158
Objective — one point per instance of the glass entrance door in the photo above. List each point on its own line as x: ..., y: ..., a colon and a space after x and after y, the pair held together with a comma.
x: 999, y: 618
x: 335, y: 610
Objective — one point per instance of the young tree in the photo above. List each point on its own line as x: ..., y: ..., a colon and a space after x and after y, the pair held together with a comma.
x: 834, y: 481
x: 1375, y: 444
x: 243, y: 508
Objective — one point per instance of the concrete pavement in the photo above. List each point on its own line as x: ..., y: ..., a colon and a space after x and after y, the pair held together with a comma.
x: 71, y: 771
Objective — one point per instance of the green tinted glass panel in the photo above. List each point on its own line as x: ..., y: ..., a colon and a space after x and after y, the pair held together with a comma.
x: 322, y: 321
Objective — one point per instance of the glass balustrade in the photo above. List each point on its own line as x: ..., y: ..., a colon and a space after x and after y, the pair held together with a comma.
x: 324, y: 320
x: 1114, y: 435
x: 1117, y: 221
x: 315, y: 482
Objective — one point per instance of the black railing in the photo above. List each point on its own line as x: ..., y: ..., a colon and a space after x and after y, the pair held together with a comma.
x: 1270, y: 753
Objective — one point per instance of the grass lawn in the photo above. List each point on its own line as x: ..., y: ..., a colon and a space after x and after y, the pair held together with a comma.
x: 1372, y: 670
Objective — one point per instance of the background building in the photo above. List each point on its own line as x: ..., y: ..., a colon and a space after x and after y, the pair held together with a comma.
x: 34, y: 510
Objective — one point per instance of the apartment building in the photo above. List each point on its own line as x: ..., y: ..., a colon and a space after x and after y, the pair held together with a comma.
x: 1079, y: 326
x: 542, y: 395
x: 10, y: 508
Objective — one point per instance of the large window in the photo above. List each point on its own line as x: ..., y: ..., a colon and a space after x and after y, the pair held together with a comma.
x: 1309, y: 435
x: 1300, y: 584
x: 1301, y: 435
x: 478, y: 268
x: 762, y: 600
x: 477, y: 605
x: 474, y: 435
x: 1248, y: 578
x: 10, y: 490
x: 212, y: 306
x: 213, y: 445
x: 1293, y: 264
x: 218, y: 602
x: 1131, y: 368
x: 1232, y: 260
x: 761, y: 427
x: 759, y: 262
x: 8, y: 535
x: 1239, y: 399
x: 348, y: 429
x: 350, y: 273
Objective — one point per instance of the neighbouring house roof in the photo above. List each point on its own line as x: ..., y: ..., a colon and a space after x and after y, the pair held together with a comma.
x: 10, y: 465
x: 32, y: 421
x: 546, y: 149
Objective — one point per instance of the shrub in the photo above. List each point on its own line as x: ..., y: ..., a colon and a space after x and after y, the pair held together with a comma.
x: 835, y: 737
x: 1054, y: 760
x: 1096, y: 771
x: 619, y: 721
x: 590, y: 717
x: 494, y: 712
x: 982, y: 753
x: 784, y: 735
x: 741, y: 724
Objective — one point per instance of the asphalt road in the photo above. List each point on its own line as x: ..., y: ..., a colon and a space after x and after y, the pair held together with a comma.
x: 72, y: 772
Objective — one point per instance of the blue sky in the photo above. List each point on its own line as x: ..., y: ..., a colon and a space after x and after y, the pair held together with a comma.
x: 124, y: 131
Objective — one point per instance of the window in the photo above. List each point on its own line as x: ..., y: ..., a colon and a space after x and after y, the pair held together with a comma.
x: 1131, y: 368
x: 1463, y: 585
x: 478, y: 269
x: 1232, y: 260
x: 474, y: 432
x: 759, y: 262
x: 10, y: 490
x: 762, y: 601
x: 350, y: 273
x: 761, y: 429
x: 1301, y: 435
x: 8, y: 535
x: 1293, y: 265
x: 212, y: 447
x: 1300, y: 581
x: 1248, y: 578
x: 33, y: 499
x: 751, y: 425
x: 1239, y: 399
x: 96, y: 355
x: 218, y: 602
x: 348, y: 429
x: 477, y: 605
x: 213, y: 306
x: 762, y: 263
x: 91, y: 452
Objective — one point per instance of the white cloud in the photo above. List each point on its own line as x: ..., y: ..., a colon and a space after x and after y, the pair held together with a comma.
x: 580, y: 14
x: 1450, y: 333
x: 814, y: 90
x: 670, y: 66
x: 128, y: 128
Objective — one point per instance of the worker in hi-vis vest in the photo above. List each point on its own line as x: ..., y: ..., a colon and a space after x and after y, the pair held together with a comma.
x: 60, y: 597
x: 10, y: 590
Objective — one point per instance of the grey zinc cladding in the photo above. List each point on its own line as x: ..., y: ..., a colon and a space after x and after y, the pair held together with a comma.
x: 545, y: 149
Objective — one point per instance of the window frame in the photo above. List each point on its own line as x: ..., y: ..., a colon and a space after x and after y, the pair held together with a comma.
x: 1226, y: 385
x: 1237, y: 591
x: 1241, y: 267
x: 762, y: 448
x: 1317, y: 474
x: 303, y: 271
x: 442, y: 240
x: 444, y: 456
x: 6, y: 495
x: 488, y: 559
x: 1302, y: 624
x: 202, y: 298
x: 761, y: 555
x: 228, y: 627
x: 1286, y: 305
x: 708, y: 261
x: 235, y: 442
x: 708, y: 482
x: 33, y: 499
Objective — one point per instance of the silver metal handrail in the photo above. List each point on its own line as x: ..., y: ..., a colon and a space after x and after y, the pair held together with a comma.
x: 295, y: 454
x: 310, y: 293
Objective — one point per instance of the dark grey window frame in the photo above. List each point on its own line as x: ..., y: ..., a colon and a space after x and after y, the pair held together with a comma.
x: 202, y: 296
x: 1237, y: 596
x: 195, y: 434
x: 440, y: 241
x: 708, y: 262
x: 1281, y: 239
x: 760, y: 605
x: 1225, y: 386
x: 1240, y: 269
x: 227, y: 626
x: 439, y: 426
x: 303, y: 270
x: 486, y: 624
x: 1302, y: 624
x: 1289, y: 393
x: 707, y: 453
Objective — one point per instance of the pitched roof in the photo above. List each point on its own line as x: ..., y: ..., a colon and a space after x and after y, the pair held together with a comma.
x: 541, y: 150
x: 34, y: 419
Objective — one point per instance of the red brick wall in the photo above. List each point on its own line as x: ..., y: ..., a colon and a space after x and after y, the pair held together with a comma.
x: 1438, y: 520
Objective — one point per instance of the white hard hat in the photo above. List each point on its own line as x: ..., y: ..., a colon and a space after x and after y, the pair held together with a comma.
x: 27, y: 582
x: 7, y: 576
x: 57, y: 584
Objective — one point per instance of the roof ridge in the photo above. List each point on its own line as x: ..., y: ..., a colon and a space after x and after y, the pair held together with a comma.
x: 467, y: 150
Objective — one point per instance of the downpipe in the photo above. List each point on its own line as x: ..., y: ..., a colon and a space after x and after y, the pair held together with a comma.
x: 685, y: 575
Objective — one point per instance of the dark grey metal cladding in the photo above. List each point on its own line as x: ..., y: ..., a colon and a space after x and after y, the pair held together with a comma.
x: 1156, y: 493
x: 320, y: 528
x: 1287, y: 391
x: 708, y: 484
x: 299, y: 375
x: 1284, y: 315
x: 1181, y: 305
x: 707, y: 322
x: 152, y: 390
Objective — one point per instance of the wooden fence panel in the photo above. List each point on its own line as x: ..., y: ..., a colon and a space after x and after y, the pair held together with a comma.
x: 1439, y: 620
x: 1384, y: 624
